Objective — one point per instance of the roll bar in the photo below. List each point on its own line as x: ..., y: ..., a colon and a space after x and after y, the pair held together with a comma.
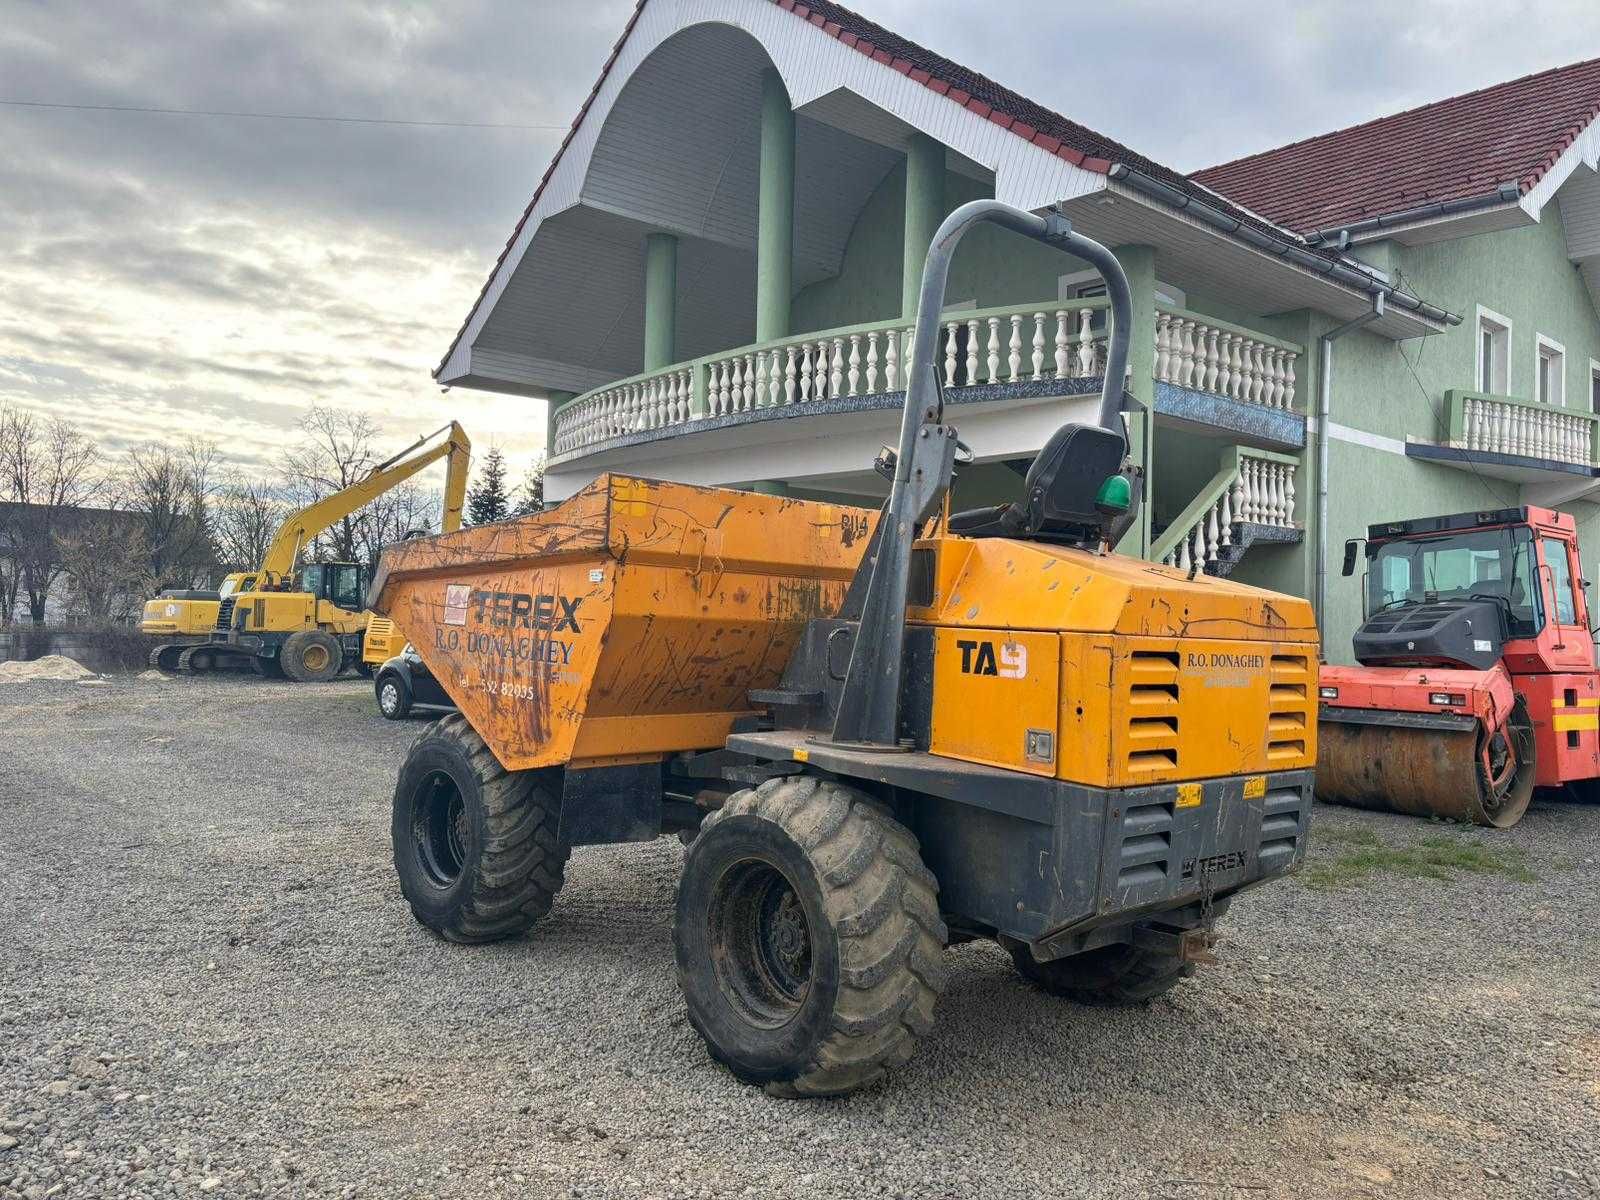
x: 869, y: 706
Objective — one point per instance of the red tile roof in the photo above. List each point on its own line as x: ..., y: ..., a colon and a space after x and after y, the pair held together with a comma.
x: 1454, y: 149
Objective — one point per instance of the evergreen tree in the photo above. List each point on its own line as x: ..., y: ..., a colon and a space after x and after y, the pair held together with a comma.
x: 487, y: 499
x: 530, y: 498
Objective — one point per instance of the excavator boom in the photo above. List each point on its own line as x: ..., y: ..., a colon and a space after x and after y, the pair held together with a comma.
x: 300, y: 527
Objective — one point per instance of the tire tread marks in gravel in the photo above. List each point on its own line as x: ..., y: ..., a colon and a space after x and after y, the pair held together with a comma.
x: 522, y: 863
x: 883, y: 904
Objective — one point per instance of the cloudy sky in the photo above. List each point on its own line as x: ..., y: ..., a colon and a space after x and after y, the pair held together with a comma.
x: 161, y: 274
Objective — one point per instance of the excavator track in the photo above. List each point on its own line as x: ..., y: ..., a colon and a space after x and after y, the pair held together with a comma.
x: 165, y: 658
x: 1401, y: 762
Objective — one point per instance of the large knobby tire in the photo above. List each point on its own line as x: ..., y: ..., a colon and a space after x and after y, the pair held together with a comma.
x: 475, y: 845
x: 394, y: 697
x: 1109, y: 976
x: 311, y: 656
x: 809, y: 945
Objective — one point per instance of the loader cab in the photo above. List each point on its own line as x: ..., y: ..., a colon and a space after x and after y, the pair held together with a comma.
x: 341, y: 584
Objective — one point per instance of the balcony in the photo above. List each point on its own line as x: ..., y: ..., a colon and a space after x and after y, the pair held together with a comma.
x: 1205, y: 372
x: 1502, y: 437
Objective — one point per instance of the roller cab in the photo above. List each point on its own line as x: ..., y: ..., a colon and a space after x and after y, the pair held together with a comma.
x: 1476, y: 681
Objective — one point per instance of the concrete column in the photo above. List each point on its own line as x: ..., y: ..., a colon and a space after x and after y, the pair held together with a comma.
x: 1139, y: 262
x: 775, y: 215
x: 924, y: 211
x: 660, y: 300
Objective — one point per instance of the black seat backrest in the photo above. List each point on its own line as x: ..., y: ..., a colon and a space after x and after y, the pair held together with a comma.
x: 1065, y: 478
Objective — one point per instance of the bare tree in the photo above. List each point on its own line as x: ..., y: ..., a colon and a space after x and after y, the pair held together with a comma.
x: 336, y: 452
x: 46, y: 470
x: 245, y: 515
x: 103, y: 560
x: 171, y: 488
x: 403, y: 512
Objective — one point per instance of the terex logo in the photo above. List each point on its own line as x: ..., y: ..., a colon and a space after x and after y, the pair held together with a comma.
x: 530, y: 612
x: 1213, y: 864
x: 978, y: 658
x: 509, y: 609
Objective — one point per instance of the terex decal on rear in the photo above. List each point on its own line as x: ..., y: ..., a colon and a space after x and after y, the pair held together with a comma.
x: 1213, y: 864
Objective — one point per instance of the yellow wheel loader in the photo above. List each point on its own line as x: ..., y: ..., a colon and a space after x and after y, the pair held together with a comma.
x: 305, y: 626
x: 879, y: 733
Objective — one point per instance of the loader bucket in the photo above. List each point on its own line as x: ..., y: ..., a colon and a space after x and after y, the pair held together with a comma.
x: 631, y: 620
x: 1407, y: 763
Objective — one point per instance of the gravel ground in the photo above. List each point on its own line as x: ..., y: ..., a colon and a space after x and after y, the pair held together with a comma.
x: 209, y: 984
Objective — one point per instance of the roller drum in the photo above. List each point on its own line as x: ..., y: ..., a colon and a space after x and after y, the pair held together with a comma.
x: 1474, y: 775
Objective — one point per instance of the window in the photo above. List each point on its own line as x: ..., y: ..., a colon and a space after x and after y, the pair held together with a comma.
x: 1493, y: 564
x: 344, y: 586
x: 1555, y: 557
x: 1081, y: 284
x: 1594, y: 386
x: 1494, y: 353
x: 1550, y: 369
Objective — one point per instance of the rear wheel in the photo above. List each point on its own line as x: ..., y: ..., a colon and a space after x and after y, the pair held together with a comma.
x: 808, y: 938
x: 475, y: 845
x: 1109, y: 976
x: 394, y: 697
x: 311, y: 656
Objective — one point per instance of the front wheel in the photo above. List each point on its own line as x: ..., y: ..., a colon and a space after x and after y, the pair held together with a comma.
x: 808, y: 938
x: 311, y: 656
x: 1108, y: 976
x: 475, y: 845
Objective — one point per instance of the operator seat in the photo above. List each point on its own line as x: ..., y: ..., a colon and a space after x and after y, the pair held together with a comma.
x: 1058, y: 493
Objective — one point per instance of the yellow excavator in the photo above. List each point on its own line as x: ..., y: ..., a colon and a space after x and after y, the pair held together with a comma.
x: 306, y: 626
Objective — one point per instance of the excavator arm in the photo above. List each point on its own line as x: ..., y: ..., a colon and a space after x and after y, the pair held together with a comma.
x: 300, y: 527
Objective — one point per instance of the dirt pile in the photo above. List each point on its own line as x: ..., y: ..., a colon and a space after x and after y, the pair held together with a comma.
x: 54, y: 667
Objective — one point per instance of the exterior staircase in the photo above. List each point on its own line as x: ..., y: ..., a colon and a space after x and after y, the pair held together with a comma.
x: 1249, y: 501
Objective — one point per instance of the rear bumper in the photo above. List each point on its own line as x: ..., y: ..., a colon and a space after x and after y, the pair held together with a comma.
x: 1162, y: 854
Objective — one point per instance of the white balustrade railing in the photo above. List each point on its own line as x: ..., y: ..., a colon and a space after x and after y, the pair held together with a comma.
x: 1205, y: 355
x: 1255, y: 489
x: 1013, y: 345
x: 984, y: 348
x: 1504, y: 426
x: 629, y: 407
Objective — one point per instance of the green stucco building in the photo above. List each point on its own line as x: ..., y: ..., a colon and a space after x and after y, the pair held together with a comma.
x: 715, y: 283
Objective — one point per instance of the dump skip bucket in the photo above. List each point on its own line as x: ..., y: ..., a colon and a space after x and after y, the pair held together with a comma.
x: 630, y: 620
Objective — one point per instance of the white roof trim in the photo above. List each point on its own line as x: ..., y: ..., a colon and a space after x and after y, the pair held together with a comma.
x: 812, y: 64
x: 1584, y: 151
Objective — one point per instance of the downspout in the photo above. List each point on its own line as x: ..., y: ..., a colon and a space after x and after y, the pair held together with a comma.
x: 1324, y: 394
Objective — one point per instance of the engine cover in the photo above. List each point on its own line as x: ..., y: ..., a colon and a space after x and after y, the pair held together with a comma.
x: 1440, y: 633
